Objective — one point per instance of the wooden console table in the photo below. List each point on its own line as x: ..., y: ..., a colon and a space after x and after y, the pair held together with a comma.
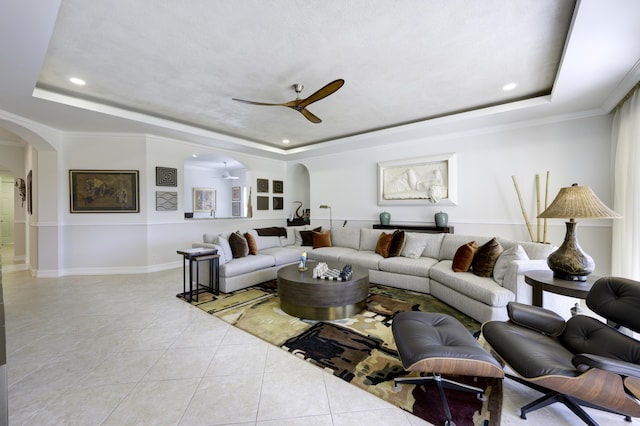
x: 298, y: 222
x: 418, y: 228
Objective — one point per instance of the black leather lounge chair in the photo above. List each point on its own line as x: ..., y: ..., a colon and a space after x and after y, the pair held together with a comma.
x: 438, y: 344
x: 580, y: 362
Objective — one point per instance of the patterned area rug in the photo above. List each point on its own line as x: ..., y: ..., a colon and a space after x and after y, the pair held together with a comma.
x: 359, y: 349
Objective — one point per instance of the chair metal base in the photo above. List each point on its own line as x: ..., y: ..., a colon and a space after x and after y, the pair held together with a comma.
x: 551, y: 397
x: 442, y: 383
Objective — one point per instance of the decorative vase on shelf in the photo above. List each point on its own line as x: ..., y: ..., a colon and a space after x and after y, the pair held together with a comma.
x: 385, y: 218
x: 442, y: 219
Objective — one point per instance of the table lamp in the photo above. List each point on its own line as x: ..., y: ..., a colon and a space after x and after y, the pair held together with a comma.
x: 324, y: 206
x: 569, y: 262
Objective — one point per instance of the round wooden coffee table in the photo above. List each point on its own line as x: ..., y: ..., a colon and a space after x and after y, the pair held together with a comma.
x: 303, y: 296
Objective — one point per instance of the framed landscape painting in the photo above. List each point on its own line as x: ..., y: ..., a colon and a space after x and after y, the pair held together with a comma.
x: 104, y: 191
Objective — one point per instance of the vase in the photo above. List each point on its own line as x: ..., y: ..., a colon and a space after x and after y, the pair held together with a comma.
x: 385, y: 218
x: 442, y: 219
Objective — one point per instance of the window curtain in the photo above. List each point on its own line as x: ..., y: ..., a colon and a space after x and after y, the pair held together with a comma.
x: 625, y: 251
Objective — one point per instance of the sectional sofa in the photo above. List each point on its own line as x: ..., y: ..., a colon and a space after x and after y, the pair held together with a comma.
x: 424, y: 263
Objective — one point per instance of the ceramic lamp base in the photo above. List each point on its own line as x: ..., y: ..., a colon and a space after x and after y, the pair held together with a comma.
x: 569, y: 262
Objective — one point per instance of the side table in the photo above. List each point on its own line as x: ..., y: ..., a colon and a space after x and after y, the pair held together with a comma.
x: 545, y: 281
x: 195, y: 256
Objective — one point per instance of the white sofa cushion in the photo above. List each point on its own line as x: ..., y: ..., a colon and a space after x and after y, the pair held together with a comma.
x: 451, y: 243
x: 209, y: 238
x: 500, y: 268
x: 226, y: 248
x: 365, y: 258
x: 482, y: 289
x: 290, y: 239
x: 264, y: 242
x: 346, y: 237
x: 244, y: 265
x: 284, y: 255
x: 403, y: 265
x: 328, y: 254
x: 369, y: 238
x: 433, y: 246
x: 538, y: 250
x: 414, y: 245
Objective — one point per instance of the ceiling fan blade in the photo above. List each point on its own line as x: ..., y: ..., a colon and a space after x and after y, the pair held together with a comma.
x: 310, y: 116
x: 260, y: 103
x: 322, y: 93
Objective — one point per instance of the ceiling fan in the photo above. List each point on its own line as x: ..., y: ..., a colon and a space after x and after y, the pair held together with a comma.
x: 300, y: 105
x: 226, y: 174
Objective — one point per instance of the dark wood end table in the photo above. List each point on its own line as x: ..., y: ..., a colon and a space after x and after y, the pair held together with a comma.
x: 545, y: 281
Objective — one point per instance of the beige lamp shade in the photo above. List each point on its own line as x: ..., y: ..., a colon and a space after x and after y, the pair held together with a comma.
x: 569, y: 261
x: 577, y: 202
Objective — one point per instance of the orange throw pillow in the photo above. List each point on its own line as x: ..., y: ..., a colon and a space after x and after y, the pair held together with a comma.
x: 383, y: 244
x: 321, y: 239
x: 253, y: 246
x: 464, y: 257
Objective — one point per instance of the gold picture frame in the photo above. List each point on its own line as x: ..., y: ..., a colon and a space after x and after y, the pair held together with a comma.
x: 104, y: 191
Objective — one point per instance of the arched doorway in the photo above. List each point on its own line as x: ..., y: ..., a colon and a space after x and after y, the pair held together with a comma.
x: 26, y: 152
x: 12, y: 187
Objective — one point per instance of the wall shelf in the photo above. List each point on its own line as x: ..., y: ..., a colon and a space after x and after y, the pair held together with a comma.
x: 418, y: 228
x: 298, y: 222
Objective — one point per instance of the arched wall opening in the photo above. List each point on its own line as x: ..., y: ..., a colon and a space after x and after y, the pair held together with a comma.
x: 299, y: 190
x: 28, y: 155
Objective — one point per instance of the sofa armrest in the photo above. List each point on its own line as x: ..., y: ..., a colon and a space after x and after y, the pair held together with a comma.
x: 514, y: 277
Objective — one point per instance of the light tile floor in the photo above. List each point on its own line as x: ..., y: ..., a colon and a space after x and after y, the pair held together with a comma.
x: 123, y: 350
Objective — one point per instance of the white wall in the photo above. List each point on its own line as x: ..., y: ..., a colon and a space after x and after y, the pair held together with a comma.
x: 572, y: 151
x: 96, y: 243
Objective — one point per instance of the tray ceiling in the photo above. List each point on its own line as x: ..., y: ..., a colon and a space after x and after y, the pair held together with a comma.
x: 402, y: 61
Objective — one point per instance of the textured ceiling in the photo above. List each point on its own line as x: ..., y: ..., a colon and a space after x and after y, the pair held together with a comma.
x: 402, y: 61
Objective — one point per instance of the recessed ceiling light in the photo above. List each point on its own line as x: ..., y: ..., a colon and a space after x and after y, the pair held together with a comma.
x: 509, y: 86
x: 77, y: 81
x: 285, y: 141
x: 194, y: 155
